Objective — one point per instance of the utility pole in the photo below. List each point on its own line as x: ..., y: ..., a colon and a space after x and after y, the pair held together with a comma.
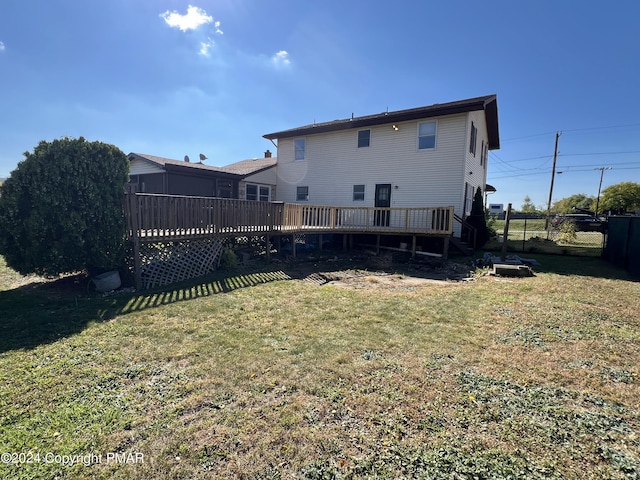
x: 553, y: 175
x: 602, y: 169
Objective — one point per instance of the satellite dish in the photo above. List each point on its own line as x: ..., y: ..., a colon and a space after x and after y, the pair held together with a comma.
x: 186, y: 158
x: 202, y: 157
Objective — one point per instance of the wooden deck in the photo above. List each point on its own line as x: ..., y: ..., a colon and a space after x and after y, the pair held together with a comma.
x: 153, y: 217
x: 157, y: 225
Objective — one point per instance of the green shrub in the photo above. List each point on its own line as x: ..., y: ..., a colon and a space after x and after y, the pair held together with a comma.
x: 62, y: 209
x: 228, y: 260
x: 568, y: 232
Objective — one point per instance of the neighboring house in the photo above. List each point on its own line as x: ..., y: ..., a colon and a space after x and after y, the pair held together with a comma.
x: 258, y: 177
x: 153, y: 174
x: 434, y: 156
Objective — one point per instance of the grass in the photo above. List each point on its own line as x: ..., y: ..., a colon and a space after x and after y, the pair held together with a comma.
x: 529, y: 235
x: 261, y: 376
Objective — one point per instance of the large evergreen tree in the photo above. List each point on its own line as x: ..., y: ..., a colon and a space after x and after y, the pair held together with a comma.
x: 62, y: 208
x: 478, y: 220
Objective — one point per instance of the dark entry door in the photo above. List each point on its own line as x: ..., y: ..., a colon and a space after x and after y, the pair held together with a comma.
x: 383, y: 200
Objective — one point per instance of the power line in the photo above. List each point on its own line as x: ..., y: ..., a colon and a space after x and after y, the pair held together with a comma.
x: 587, y: 129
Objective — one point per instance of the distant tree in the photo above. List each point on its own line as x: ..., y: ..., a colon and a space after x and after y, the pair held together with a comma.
x: 478, y: 220
x: 569, y: 204
x: 620, y: 198
x: 61, y: 209
x: 528, y: 206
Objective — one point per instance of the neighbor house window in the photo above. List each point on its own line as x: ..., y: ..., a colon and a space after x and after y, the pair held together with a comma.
x: 473, y: 140
x: 427, y: 136
x: 300, y: 145
x: 358, y: 193
x: 260, y: 193
x: 364, y: 138
x: 302, y: 194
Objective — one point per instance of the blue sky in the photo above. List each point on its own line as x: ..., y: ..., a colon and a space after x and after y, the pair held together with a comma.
x: 171, y: 78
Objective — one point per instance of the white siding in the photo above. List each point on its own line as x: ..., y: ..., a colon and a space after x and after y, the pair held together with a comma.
x: 333, y: 164
x: 475, y: 174
x: 266, y: 177
x: 140, y: 167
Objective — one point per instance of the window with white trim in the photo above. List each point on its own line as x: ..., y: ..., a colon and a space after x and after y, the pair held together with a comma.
x: 302, y: 194
x: 358, y: 193
x: 261, y: 193
x: 427, y: 135
x: 300, y: 146
x: 473, y: 140
x: 482, y: 154
x: 364, y: 138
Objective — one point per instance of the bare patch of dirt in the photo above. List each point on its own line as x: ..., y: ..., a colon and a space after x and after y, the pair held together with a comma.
x: 362, y: 270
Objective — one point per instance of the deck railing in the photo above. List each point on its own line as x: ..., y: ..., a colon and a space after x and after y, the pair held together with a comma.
x: 155, y: 217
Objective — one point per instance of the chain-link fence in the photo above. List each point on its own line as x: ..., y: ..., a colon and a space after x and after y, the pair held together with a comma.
x: 536, y: 235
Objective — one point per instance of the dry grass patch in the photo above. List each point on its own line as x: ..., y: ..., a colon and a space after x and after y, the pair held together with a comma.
x: 519, y: 378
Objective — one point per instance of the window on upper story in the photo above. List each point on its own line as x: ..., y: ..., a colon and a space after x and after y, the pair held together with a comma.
x: 427, y: 136
x: 474, y: 139
x: 364, y: 138
x: 358, y: 193
x: 300, y: 145
x: 302, y: 194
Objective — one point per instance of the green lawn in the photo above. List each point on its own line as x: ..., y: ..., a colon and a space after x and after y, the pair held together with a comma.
x: 263, y: 376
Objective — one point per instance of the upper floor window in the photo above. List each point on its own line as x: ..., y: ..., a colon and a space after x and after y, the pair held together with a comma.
x: 300, y: 145
x: 474, y: 139
x: 358, y: 193
x: 364, y: 138
x: 482, y: 153
x: 426, y: 136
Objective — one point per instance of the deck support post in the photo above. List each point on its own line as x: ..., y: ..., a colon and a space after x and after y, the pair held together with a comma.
x: 320, y: 242
x: 344, y: 241
x: 378, y: 244
x: 267, y: 241
x: 293, y: 245
x: 413, y: 247
x: 445, y: 251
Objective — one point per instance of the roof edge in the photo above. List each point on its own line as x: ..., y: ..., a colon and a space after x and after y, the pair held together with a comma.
x: 436, y: 110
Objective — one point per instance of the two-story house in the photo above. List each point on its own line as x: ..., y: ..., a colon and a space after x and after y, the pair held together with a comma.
x: 430, y: 156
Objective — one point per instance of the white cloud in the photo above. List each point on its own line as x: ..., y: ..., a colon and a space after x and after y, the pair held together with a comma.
x: 194, y: 18
x: 218, y: 31
x: 281, y: 58
x: 206, y: 46
x: 2, y: 47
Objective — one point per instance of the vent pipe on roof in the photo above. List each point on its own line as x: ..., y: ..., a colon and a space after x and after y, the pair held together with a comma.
x: 267, y: 154
x: 186, y: 158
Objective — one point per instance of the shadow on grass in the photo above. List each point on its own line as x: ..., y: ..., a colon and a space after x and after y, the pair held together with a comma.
x: 42, y: 313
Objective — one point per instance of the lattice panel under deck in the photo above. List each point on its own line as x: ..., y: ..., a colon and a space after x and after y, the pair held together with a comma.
x: 170, y: 262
